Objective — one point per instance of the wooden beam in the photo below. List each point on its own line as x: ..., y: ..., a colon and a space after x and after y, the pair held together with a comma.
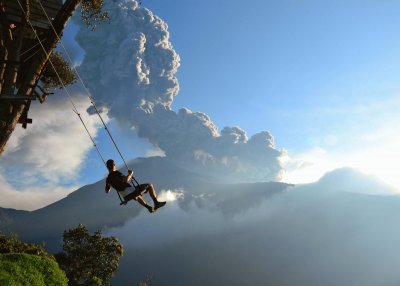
x: 27, y: 121
x: 37, y: 16
x: 15, y: 97
x: 24, y: 120
x: 10, y: 62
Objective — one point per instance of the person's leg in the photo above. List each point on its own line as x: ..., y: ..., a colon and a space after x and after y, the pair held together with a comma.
x: 141, y: 201
x: 152, y: 192
x: 153, y: 195
x: 136, y: 195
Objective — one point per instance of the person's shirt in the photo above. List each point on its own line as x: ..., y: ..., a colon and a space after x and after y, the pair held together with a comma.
x: 116, y: 180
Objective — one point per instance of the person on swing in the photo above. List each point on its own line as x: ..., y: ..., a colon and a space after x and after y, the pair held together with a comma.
x: 120, y: 183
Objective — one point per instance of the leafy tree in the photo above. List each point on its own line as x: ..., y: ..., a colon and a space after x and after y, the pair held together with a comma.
x: 28, y: 269
x: 89, y: 259
x: 11, y: 244
x: 92, y: 13
x: 147, y: 281
x: 27, y: 264
x: 50, y: 76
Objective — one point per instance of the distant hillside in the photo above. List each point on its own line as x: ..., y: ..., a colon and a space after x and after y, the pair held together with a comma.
x: 91, y: 206
x: 352, y: 181
x: 332, y: 232
x: 297, y: 237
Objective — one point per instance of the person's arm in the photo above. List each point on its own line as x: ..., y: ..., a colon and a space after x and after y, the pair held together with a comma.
x: 107, y: 189
x: 129, y: 177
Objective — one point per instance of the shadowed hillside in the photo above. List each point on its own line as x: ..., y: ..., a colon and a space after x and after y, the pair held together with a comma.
x: 91, y: 206
x: 301, y: 237
x: 332, y: 232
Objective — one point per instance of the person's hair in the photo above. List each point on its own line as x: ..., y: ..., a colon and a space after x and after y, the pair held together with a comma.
x: 110, y: 164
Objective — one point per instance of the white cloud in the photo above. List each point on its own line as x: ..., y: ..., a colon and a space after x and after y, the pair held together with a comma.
x: 352, y: 181
x: 55, y: 145
x: 308, y: 166
x: 31, y: 198
x: 170, y: 195
x: 345, y: 232
x: 159, y: 225
x: 42, y: 162
x: 373, y: 152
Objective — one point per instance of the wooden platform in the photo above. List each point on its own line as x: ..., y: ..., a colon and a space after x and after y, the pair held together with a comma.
x: 38, y: 18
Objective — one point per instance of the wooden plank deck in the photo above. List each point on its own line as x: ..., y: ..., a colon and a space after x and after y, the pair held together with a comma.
x: 38, y: 18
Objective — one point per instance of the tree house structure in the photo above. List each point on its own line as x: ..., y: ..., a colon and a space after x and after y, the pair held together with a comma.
x: 23, y: 57
x: 37, y: 16
x: 16, y: 14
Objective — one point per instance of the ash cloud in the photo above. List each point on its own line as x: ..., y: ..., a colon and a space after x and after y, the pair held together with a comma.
x: 130, y: 68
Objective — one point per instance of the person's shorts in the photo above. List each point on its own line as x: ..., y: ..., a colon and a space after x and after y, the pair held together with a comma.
x: 138, y: 191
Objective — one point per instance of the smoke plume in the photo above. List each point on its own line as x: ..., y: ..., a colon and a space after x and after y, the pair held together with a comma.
x: 130, y: 68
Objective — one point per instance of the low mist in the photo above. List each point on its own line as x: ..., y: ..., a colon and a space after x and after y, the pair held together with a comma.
x: 305, y: 235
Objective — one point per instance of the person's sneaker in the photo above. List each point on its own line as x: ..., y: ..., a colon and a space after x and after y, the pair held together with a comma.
x: 151, y: 209
x: 158, y: 205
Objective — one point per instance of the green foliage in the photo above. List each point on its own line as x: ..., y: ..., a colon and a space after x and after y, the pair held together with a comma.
x: 27, y: 264
x: 11, y: 244
x: 89, y: 259
x: 27, y: 269
x: 147, y: 281
x: 92, y: 13
x: 49, y: 76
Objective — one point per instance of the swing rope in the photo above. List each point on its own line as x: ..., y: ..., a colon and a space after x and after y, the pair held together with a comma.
x: 69, y: 95
x: 85, y: 88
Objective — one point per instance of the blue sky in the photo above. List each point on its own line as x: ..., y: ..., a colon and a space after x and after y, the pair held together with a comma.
x: 321, y: 76
x: 317, y: 74
x: 282, y: 65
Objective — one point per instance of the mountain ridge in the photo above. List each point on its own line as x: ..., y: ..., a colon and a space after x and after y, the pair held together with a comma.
x: 91, y: 206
